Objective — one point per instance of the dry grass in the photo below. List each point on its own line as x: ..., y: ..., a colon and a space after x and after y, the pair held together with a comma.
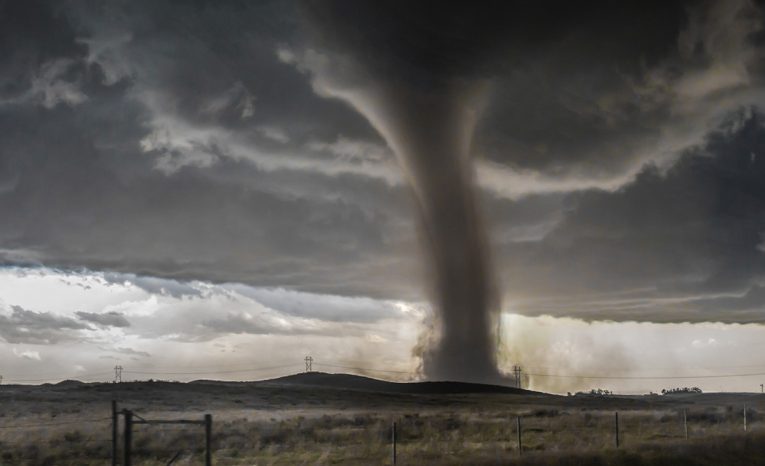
x: 285, y: 426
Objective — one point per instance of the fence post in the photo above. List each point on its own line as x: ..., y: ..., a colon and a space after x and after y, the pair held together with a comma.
x: 115, y: 428
x: 744, y: 418
x: 518, y: 430
x: 685, y: 422
x: 616, y: 427
x: 128, y: 437
x: 208, y: 439
x: 393, y: 438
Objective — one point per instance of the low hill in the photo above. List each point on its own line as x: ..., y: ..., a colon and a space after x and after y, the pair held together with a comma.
x: 361, y: 383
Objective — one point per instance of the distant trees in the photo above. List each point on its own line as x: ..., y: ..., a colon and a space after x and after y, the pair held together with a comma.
x: 672, y: 391
x: 600, y: 391
x: 595, y: 392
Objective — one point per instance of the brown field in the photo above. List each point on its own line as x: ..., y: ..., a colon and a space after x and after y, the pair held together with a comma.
x: 279, y: 423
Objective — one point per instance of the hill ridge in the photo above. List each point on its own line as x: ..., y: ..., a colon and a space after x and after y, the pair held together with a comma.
x: 366, y: 383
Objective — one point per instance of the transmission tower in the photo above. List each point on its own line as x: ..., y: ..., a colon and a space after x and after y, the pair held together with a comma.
x: 517, y: 375
x: 117, y: 374
x: 308, y: 364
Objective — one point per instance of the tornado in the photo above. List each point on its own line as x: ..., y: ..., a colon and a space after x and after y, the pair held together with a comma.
x: 426, y: 109
x: 430, y: 132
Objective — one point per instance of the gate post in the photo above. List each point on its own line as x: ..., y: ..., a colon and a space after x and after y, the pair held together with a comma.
x: 128, y: 436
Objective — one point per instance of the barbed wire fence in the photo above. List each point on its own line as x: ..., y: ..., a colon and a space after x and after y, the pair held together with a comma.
x: 516, y: 429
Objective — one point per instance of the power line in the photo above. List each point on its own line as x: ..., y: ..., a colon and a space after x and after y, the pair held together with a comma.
x: 155, y: 372
x: 670, y: 368
x: 251, y: 369
x: 658, y: 377
x: 53, y: 377
x: 361, y: 369
x: 574, y: 376
x: 120, y: 370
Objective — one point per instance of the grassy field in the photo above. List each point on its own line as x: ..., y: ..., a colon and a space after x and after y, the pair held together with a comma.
x: 273, y: 423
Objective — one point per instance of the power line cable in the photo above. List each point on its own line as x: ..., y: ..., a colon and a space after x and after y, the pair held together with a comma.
x: 368, y: 369
x: 659, y: 377
x: 52, y: 377
x: 251, y: 369
x: 361, y: 369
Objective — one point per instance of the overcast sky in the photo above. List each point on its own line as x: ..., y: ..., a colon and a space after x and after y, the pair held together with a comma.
x: 179, y: 188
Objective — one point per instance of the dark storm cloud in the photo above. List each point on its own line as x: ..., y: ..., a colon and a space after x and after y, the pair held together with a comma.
x: 106, y: 319
x: 32, y: 35
x: 178, y: 140
x: 677, y: 245
x: 165, y: 45
x: 38, y: 328
x: 414, y: 41
x: 571, y: 84
x: 608, y: 96
x: 80, y: 178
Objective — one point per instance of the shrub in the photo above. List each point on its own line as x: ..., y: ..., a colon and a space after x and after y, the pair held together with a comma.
x: 73, y: 436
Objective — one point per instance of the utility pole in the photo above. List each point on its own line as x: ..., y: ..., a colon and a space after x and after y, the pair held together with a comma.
x: 517, y: 375
x: 308, y: 364
x: 117, y: 374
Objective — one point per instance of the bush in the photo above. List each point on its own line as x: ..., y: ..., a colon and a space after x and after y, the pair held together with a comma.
x: 73, y: 437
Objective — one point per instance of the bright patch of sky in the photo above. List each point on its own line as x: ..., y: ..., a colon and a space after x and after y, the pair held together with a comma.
x: 192, y: 330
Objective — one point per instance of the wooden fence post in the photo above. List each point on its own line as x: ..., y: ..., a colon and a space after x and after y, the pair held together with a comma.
x: 745, y: 426
x: 616, y: 427
x: 127, y: 447
x: 393, y: 438
x: 208, y: 439
x: 518, y: 430
x: 685, y: 422
x: 115, y: 433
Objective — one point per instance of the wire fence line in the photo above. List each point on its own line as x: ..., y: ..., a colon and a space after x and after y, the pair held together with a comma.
x: 531, y: 429
x: 53, y: 424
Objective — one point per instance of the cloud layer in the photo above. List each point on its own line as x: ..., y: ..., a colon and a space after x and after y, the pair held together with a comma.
x: 189, y: 141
